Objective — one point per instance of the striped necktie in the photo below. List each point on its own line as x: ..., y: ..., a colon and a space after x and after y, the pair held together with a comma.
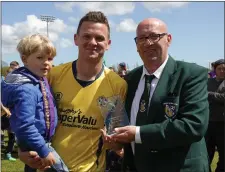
x: 144, y: 102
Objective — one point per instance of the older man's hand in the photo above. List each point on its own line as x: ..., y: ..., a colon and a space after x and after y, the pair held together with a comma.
x: 124, y: 134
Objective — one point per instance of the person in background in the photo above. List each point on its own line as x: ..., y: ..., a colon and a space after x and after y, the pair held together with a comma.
x: 216, y: 98
x: 14, y: 65
x: 212, y: 73
x: 122, y: 70
x: 5, y: 125
x: 112, y: 69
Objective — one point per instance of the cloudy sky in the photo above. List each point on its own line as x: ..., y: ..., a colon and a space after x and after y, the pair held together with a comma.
x: 197, y: 28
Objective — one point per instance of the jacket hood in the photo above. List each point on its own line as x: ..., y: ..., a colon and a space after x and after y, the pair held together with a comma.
x: 20, y: 76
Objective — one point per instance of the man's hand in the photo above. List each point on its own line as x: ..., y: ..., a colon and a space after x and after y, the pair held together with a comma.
x: 120, y: 153
x: 5, y: 111
x: 8, y: 113
x: 32, y: 159
x: 49, y: 160
x: 124, y: 134
x: 110, y: 143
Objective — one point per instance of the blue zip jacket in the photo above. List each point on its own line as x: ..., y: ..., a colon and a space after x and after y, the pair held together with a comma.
x: 21, y: 93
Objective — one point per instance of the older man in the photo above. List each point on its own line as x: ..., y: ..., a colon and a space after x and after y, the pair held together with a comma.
x: 168, y: 108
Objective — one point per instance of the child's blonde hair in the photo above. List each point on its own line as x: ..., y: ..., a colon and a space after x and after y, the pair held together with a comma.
x: 33, y: 43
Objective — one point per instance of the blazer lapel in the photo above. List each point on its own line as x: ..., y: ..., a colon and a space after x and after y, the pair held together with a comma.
x: 133, y: 81
x: 163, y: 87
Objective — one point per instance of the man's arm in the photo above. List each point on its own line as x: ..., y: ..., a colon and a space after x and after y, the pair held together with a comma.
x: 192, y: 118
x: 5, y: 111
x: 219, y: 96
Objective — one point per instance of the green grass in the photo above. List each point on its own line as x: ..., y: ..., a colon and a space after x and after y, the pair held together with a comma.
x: 9, y: 166
x: 18, y: 166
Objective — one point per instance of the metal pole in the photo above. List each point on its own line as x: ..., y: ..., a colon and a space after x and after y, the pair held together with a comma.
x: 47, y: 28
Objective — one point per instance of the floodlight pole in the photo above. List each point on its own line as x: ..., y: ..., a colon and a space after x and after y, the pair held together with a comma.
x: 47, y: 19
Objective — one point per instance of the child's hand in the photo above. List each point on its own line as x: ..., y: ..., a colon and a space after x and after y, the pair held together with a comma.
x: 49, y: 160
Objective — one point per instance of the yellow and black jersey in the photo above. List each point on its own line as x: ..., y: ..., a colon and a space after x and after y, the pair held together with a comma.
x: 80, y: 117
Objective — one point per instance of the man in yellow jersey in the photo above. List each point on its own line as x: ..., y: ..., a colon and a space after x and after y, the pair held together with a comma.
x: 79, y: 87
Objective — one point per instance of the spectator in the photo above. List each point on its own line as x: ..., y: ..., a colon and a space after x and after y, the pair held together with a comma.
x: 5, y: 125
x: 122, y: 70
x: 112, y: 69
x: 14, y: 65
x: 212, y: 73
x: 216, y: 98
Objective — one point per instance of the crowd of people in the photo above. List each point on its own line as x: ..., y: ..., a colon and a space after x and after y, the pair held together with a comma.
x: 176, y: 114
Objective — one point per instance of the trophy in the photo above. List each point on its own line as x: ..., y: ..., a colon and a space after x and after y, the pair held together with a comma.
x: 114, y: 113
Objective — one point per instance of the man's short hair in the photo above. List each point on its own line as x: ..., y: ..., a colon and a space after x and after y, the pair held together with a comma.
x: 33, y: 43
x: 218, y: 62
x: 14, y: 63
x: 96, y: 17
x: 122, y: 64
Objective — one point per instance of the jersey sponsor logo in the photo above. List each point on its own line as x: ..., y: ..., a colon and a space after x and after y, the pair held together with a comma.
x: 81, y: 126
x: 75, y: 118
x: 80, y: 119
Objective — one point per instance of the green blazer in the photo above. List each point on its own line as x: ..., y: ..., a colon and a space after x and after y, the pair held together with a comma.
x: 173, y: 139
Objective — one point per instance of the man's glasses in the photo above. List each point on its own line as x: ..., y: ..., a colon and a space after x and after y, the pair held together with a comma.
x: 152, y: 37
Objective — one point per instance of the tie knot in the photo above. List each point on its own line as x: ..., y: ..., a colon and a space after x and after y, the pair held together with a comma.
x: 149, y: 78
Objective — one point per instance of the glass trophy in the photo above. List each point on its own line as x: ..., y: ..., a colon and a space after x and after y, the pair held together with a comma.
x: 114, y: 113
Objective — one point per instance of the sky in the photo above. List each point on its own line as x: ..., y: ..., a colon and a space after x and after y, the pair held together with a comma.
x: 197, y: 28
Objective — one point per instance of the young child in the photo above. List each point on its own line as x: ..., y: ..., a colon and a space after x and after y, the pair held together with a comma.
x: 27, y: 94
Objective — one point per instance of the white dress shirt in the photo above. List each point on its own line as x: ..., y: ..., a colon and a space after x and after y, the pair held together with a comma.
x: 137, y: 97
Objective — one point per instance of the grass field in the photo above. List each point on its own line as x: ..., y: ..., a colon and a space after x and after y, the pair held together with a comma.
x: 7, y: 166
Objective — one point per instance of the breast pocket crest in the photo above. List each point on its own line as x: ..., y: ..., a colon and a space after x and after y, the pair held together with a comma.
x: 170, y: 105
